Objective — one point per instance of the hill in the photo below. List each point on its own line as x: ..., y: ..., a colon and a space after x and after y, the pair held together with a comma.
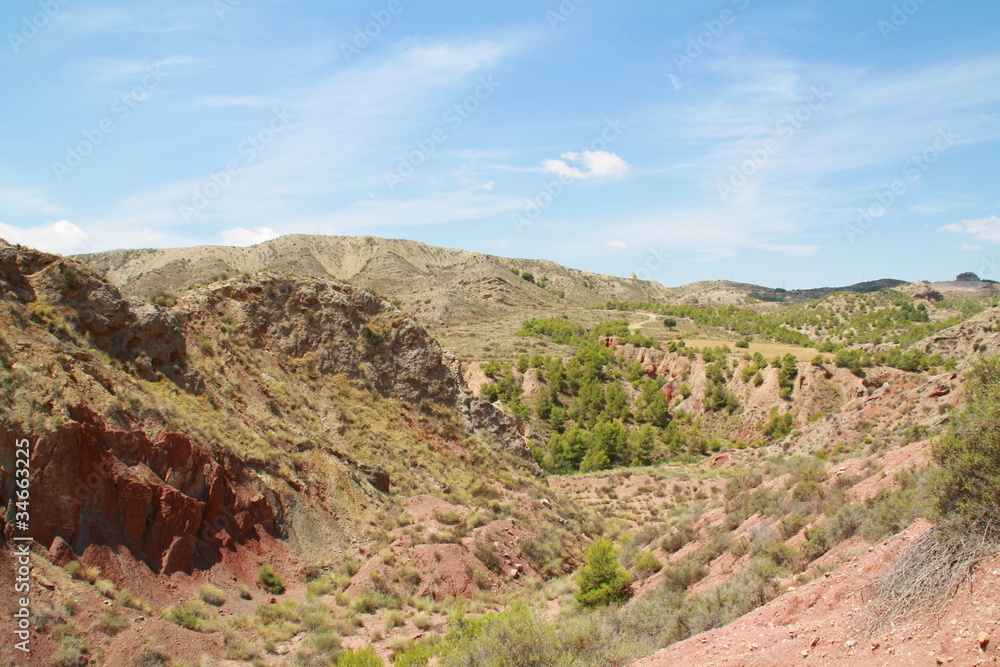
x: 268, y: 462
x: 436, y: 284
x: 289, y: 422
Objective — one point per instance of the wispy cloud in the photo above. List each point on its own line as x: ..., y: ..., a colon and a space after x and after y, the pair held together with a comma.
x: 26, y: 200
x: 256, y: 101
x: 592, y: 164
x: 984, y: 229
x: 434, y: 208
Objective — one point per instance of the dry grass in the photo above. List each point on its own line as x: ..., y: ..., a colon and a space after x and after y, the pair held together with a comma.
x: 928, y: 573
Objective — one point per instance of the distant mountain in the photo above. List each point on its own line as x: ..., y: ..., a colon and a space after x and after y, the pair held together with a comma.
x: 437, y: 284
x: 800, y: 295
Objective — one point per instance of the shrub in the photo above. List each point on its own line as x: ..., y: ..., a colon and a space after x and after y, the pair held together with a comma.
x: 106, y: 588
x: 807, y: 490
x: 414, y: 656
x: 193, y: 615
x: 325, y: 640
x: 646, y: 564
x: 968, y: 483
x: 151, y: 656
x: 238, y: 648
x: 513, y: 638
x: 601, y: 580
x: 393, y: 619
x: 677, y: 538
x: 449, y: 518
x: 212, y: 595
x: 112, y: 621
x: 422, y: 621
x: 362, y: 657
x: 678, y: 577
x: 487, y: 553
x: 269, y: 580
x: 792, y: 524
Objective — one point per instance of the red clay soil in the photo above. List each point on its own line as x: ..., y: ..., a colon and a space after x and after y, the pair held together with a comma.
x: 824, y: 623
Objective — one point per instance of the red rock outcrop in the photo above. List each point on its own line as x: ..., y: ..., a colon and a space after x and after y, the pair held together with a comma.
x: 163, y: 498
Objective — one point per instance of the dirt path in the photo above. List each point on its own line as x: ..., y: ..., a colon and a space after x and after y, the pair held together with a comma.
x: 633, y: 327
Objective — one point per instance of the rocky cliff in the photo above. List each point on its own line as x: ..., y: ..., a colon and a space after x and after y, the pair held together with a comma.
x: 252, y: 411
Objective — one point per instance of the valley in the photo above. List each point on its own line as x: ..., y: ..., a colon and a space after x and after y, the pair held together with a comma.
x: 361, y: 451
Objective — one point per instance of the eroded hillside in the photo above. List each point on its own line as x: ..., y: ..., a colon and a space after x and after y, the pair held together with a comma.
x: 293, y: 423
x: 258, y: 463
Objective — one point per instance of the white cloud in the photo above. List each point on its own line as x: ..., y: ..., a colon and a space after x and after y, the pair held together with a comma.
x: 984, y: 229
x: 970, y: 246
x: 593, y: 164
x: 241, y: 236
x: 61, y: 237
x: 617, y: 244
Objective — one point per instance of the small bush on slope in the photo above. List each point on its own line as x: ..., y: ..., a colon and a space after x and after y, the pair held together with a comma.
x: 601, y: 580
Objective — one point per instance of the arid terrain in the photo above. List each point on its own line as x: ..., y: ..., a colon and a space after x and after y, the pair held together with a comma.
x: 335, y: 450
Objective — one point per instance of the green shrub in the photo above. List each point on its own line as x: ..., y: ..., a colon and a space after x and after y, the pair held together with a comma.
x: 601, y: 580
x: 112, y: 621
x: 212, y: 595
x: 513, y: 638
x: 414, y: 656
x: 967, y: 485
x: 269, y: 580
x: 646, y: 564
x: 362, y: 657
x: 393, y: 619
x: 675, y: 540
x: 679, y: 577
x: 193, y: 615
x: 106, y: 588
x: 449, y: 518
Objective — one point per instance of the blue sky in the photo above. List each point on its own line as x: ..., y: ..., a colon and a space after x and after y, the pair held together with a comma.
x: 789, y: 144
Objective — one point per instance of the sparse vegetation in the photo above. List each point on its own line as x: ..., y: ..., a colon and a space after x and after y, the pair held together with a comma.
x: 269, y: 580
x: 601, y: 580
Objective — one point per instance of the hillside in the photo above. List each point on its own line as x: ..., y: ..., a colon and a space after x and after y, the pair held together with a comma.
x: 296, y: 423
x: 436, y: 284
x: 270, y: 465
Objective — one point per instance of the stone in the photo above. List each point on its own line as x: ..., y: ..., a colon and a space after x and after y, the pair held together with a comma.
x: 376, y: 476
